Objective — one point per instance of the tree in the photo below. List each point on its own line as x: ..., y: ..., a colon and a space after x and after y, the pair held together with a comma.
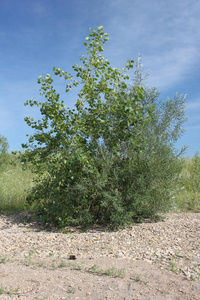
x: 92, y: 161
x: 3, y: 145
x: 3, y: 149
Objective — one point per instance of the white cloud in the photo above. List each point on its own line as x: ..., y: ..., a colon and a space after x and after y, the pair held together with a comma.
x: 165, y: 33
x: 194, y: 127
x: 193, y: 105
x: 167, y: 68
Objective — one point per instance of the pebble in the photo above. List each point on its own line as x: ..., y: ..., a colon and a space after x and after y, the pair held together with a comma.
x: 177, y: 238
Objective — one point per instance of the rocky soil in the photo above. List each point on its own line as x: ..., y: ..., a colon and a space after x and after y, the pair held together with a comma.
x: 144, y: 261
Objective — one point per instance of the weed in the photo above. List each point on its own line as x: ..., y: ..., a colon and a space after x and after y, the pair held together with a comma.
x: 53, y: 265
x: 62, y: 264
x: 7, y: 291
x: 136, y: 278
x: 95, y: 269
x: 76, y: 267
x: 172, y: 264
x: 113, y: 272
x: 2, y: 260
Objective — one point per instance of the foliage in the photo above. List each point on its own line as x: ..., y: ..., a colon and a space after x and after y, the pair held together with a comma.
x: 3, y: 151
x: 188, y: 196
x: 3, y: 145
x: 111, y: 158
x: 15, y: 179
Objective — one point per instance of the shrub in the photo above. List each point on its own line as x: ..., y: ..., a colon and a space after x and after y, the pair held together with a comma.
x: 111, y: 159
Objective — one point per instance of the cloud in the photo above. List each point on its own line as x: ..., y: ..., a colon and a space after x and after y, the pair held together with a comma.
x: 194, y: 127
x: 193, y: 105
x: 169, y: 67
x: 165, y: 33
x: 40, y: 35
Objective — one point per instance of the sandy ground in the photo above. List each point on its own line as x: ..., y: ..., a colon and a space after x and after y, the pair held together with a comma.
x: 142, y: 281
x: 88, y: 278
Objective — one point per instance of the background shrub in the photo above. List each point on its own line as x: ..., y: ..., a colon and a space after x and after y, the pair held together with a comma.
x: 14, y: 183
x: 188, y: 195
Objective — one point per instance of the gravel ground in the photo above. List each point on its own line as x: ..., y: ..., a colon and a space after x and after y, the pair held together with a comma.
x: 144, y: 261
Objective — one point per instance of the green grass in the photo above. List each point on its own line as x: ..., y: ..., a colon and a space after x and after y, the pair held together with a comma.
x: 187, y: 198
x: 7, y: 291
x: 2, y: 260
x: 59, y: 264
x: 113, y: 272
x: 13, y: 184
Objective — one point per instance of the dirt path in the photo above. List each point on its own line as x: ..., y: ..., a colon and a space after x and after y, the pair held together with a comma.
x: 35, y: 264
x: 142, y: 281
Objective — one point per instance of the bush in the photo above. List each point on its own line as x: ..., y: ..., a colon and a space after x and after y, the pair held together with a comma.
x: 110, y: 160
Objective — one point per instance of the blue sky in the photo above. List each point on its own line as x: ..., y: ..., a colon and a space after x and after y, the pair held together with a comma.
x: 37, y: 35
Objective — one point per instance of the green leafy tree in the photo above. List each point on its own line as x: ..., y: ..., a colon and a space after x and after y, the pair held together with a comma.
x: 94, y: 162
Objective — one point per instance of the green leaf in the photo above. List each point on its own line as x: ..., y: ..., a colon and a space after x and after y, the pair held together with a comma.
x: 100, y: 28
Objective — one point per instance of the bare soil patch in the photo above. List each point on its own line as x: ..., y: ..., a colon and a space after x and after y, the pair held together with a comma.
x: 143, y: 261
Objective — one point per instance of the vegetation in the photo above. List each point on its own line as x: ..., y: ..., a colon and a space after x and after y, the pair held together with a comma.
x: 3, y: 151
x: 109, y: 160
x: 3, y: 145
x: 14, y: 183
x: 188, y: 195
x: 15, y: 179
